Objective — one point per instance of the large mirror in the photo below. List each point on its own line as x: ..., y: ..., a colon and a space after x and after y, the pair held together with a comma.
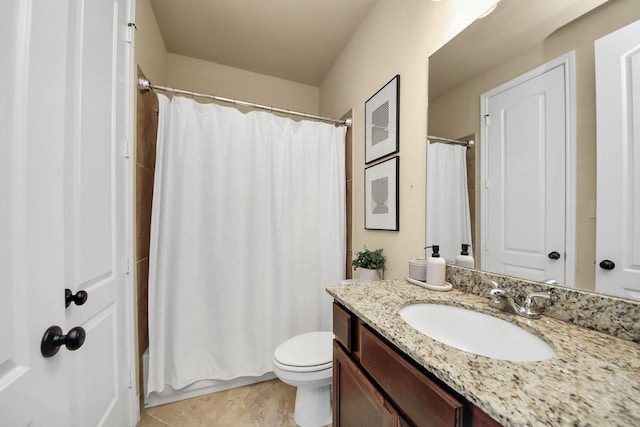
x: 469, y: 79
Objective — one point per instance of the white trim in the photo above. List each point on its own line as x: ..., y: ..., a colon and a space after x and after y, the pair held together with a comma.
x: 133, y: 395
x: 567, y: 61
x: 570, y: 170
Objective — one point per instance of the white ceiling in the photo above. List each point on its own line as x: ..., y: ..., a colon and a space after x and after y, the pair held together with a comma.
x: 296, y: 40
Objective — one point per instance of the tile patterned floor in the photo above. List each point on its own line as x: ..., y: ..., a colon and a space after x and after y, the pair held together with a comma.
x: 266, y: 404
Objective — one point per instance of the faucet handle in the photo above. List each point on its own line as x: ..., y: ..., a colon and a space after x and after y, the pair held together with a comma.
x: 529, y: 300
x: 493, y: 284
x: 490, y: 282
x: 497, y: 292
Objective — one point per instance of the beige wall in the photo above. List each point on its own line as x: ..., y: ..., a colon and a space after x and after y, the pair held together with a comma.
x: 207, y: 77
x: 578, y: 36
x: 394, y: 39
x: 168, y: 69
x: 151, y: 52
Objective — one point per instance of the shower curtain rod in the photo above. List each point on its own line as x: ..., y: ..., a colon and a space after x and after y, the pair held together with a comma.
x: 467, y: 144
x: 145, y: 85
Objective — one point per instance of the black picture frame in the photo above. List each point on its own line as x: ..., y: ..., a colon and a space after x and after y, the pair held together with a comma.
x: 381, y: 195
x: 382, y: 118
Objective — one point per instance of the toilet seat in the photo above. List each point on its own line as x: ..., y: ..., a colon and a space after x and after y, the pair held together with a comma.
x: 308, y: 352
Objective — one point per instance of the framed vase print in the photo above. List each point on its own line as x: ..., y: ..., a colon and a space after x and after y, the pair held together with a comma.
x: 382, y: 116
x: 381, y: 198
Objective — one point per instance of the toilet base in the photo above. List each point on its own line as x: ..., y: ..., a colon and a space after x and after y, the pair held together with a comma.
x: 313, y: 406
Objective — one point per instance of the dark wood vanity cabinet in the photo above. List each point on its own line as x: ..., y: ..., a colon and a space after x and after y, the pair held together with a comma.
x: 376, y: 385
x: 357, y: 402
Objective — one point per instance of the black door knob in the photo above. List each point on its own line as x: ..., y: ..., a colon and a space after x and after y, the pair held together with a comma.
x: 78, y: 299
x: 53, y: 339
x: 554, y: 255
x: 607, y: 264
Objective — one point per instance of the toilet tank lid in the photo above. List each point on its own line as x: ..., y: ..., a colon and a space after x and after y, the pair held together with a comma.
x: 308, y: 349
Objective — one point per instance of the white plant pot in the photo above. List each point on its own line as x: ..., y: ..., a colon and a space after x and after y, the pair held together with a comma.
x: 369, y: 275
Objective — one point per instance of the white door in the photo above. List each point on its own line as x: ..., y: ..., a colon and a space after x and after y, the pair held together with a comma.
x: 618, y: 162
x: 523, y: 194
x: 66, y: 211
x: 33, y: 389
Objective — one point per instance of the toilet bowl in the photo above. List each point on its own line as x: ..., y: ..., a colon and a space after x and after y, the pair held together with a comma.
x: 305, y: 361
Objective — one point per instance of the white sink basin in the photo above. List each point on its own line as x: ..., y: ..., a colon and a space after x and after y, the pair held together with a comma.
x: 476, y: 332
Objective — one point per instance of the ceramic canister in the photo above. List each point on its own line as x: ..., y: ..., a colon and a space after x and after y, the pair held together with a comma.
x: 418, y: 269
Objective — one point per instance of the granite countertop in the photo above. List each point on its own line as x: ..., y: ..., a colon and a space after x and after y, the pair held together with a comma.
x: 593, y: 379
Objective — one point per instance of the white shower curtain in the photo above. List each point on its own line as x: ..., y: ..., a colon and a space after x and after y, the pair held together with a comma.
x: 448, y: 218
x: 248, y: 228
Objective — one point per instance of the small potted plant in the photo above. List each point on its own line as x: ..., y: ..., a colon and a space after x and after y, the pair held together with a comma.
x: 370, y: 263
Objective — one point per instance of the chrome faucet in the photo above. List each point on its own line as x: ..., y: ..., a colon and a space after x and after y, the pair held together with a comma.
x: 500, y: 299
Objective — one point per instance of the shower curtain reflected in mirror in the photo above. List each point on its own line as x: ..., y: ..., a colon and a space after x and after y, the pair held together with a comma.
x: 448, y: 217
x: 248, y: 228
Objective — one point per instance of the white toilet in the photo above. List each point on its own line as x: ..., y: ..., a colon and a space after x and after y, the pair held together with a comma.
x: 305, y: 361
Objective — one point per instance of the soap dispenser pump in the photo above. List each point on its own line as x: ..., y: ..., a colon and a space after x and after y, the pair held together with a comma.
x: 464, y: 259
x: 436, y: 268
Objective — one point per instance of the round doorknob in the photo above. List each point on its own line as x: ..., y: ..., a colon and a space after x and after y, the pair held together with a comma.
x: 53, y: 339
x: 554, y: 255
x: 78, y: 299
x: 607, y: 264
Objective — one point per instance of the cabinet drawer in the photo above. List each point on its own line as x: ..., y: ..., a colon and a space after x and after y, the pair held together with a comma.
x: 343, y: 326
x: 423, y: 401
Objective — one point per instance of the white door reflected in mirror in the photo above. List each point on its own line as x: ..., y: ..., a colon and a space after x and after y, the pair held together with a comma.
x: 617, y: 57
x: 523, y: 175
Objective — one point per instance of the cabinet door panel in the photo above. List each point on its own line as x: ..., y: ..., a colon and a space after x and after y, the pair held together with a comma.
x: 480, y: 419
x: 423, y: 401
x: 357, y: 403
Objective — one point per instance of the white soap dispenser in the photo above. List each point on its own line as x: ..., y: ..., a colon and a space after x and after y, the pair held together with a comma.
x: 436, y: 268
x: 464, y: 259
